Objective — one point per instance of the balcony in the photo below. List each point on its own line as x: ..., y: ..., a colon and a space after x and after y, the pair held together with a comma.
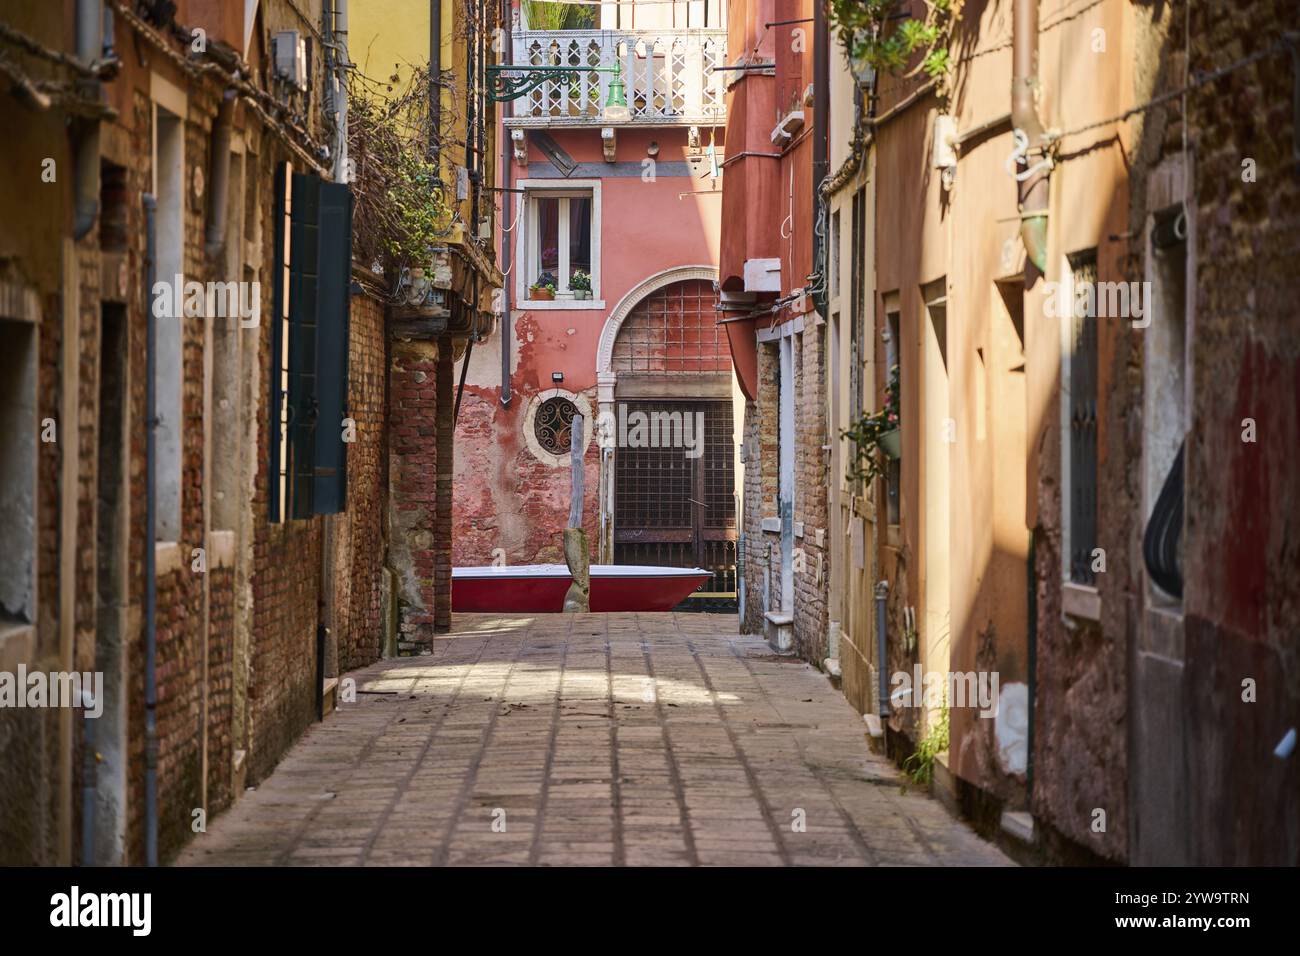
x: 667, y: 73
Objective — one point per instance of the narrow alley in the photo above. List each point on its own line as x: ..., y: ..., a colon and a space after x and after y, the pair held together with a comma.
x: 626, y: 739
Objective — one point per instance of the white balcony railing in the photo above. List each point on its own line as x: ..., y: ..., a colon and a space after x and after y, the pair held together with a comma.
x: 667, y: 73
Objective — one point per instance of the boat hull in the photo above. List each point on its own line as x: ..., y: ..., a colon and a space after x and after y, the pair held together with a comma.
x: 540, y: 589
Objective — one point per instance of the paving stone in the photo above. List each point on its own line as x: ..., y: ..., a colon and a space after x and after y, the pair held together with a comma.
x: 593, y: 740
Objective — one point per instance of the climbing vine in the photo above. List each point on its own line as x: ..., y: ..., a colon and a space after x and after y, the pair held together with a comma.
x: 875, y: 35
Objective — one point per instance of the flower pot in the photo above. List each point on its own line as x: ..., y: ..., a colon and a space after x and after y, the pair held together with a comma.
x: 542, y: 295
x: 891, y: 443
x: 582, y: 294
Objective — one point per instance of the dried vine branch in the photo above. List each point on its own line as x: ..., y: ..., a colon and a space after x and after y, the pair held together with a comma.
x: 401, y: 206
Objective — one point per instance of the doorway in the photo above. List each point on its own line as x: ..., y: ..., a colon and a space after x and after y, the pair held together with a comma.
x: 673, y: 506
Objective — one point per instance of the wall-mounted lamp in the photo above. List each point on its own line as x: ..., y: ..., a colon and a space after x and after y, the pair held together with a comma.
x: 557, y: 377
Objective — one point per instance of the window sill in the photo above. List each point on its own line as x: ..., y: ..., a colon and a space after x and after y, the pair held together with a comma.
x: 221, y: 544
x: 166, y: 558
x: 566, y: 305
x: 1081, y: 602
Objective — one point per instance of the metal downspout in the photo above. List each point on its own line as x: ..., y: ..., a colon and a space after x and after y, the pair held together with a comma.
x: 1031, y: 192
x: 90, y: 47
x: 882, y: 646
x: 220, y: 174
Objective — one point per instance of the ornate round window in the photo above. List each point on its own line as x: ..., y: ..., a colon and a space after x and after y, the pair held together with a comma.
x: 553, y: 425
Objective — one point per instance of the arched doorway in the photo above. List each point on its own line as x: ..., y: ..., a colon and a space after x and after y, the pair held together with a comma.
x: 668, y: 476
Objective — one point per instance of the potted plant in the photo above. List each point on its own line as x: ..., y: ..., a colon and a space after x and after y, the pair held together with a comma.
x: 543, y: 290
x: 580, y: 284
x: 878, y: 430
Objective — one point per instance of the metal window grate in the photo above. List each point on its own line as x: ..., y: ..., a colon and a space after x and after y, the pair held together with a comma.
x: 673, y: 330
x: 553, y: 425
x: 675, y: 510
x: 1083, y: 422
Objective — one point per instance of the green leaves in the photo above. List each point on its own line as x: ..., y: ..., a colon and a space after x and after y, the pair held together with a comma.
x: 873, y: 36
x: 866, y: 432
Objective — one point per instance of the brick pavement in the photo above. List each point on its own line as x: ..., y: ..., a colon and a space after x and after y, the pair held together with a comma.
x: 589, y: 739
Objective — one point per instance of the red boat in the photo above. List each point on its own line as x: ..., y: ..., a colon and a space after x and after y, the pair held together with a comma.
x: 540, y: 588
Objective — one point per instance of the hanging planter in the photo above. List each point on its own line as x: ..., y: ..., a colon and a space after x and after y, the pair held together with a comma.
x: 873, y: 432
x: 891, y: 443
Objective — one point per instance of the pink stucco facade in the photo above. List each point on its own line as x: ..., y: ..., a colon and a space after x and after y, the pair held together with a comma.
x: 655, y: 219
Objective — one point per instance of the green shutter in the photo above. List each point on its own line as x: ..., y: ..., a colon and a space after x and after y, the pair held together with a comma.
x: 304, y: 309
x: 309, y: 377
x: 279, y: 334
x: 330, y: 492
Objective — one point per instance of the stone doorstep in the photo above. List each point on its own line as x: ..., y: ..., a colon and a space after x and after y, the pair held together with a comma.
x: 778, y: 628
x: 1019, y: 825
x: 331, y: 692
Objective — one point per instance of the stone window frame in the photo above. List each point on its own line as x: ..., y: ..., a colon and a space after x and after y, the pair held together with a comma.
x: 20, y: 305
x: 583, y: 404
x: 169, y: 463
x: 524, y: 266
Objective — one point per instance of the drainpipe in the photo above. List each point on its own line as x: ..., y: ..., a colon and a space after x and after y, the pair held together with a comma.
x: 220, y: 173
x: 150, y: 535
x: 882, y: 643
x: 342, y: 61
x: 1031, y: 192
x: 89, y: 779
x: 507, y: 201
x: 90, y: 46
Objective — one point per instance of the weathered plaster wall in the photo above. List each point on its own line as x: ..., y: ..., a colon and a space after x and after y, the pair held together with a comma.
x: 506, y: 497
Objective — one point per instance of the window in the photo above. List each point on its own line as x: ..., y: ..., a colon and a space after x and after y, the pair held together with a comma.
x: 309, y: 345
x: 857, y: 255
x: 227, y: 346
x: 1165, y: 402
x: 553, y: 425
x: 561, y: 245
x: 169, y: 188
x: 19, y: 428
x: 833, y: 280
x: 1079, y: 414
x: 893, y: 467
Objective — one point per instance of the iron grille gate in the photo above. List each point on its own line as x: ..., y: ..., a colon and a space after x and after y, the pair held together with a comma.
x: 674, y: 510
x: 1083, y: 423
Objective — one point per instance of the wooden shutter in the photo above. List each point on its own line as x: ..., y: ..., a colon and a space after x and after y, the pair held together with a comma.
x: 277, y: 419
x: 335, y: 262
x: 309, y: 342
x: 304, y: 306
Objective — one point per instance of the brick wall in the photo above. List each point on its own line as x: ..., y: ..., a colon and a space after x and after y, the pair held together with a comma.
x: 762, y: 481
x: 360, y: 542
x: 811, y: 472
x: 199, y: 716
x: 1241, y: 592
x: 420, y: 375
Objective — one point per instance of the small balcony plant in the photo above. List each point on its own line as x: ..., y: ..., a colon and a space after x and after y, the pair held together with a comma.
x: 580, y: 284
x: 873, y: 432
x: 543, y: 290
